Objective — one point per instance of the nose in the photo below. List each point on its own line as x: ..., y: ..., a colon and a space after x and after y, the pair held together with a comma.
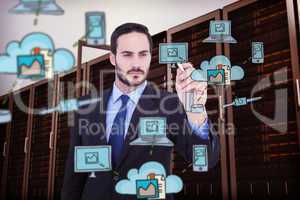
x: 136, y: 62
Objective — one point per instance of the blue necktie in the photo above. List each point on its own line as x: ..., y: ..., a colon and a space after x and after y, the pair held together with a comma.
x: 116, y: 139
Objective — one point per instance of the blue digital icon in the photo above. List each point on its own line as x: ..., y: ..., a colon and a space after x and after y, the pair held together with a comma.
x: 31, y: 66
x: 172, y: 53
x: 92, y: 158
x: 147, y: 188
x: 241, y: 101
x: 5, y: 116
x: 152, y: 126
x: 68, y: 105
x: 216, y: 76
x: 257, y: 52
x: 220, y: 32
x: 152, y: 131
x: 56, y: 60
x: 48, y: 7
x: 95, y: 28
x: 145, y: 176
x: 200, y: 163
x: 218, y: 71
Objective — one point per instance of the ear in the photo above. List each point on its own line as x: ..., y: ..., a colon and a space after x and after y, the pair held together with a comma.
x: 112, y: 59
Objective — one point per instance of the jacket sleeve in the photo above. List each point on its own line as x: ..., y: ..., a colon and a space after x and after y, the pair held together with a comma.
x: 73, y: 183
x: 184, y: 138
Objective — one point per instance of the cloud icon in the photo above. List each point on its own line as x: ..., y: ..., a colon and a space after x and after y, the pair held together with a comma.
x: 63, y: 59
x: 236, y: 72
x: 174, y: 183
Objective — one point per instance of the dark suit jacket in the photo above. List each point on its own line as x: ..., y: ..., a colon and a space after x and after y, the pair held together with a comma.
x: 79, y: 186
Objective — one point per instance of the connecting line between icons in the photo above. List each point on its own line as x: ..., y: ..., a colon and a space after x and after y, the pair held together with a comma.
x: 247, y: 60
x: 247, y: 101
x: 254, y: 99
x: 37, y: 12
x: 116, y: 173
x: 184, y: 170
x: 83, y: 37
x: 152, y: 146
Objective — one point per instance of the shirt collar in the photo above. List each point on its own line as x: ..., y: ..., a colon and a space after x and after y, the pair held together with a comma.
x: 133, y: 95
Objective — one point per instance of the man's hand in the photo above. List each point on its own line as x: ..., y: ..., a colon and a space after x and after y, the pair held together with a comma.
x: 184, y: 84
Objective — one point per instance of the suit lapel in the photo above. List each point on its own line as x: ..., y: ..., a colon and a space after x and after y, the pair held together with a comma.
x: 145, y: 103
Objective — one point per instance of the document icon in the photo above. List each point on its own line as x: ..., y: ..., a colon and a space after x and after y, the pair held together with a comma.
x: 92, y: 158
x: 161, y: 179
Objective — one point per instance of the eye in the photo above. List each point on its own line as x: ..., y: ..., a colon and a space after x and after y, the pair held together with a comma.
x: 143, y: 54
x: 127, y: 55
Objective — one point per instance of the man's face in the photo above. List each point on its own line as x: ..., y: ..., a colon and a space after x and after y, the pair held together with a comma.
x: 132, y: 59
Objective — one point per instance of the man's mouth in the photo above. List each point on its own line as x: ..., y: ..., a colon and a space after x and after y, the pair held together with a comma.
x: 136, y: 72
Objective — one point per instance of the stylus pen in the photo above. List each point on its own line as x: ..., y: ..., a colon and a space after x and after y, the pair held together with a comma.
x: 180, y: 66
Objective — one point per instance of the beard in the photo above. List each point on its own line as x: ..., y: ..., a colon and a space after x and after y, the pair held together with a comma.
x: 122, y: 76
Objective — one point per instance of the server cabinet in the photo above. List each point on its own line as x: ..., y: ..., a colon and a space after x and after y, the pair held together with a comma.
x: 213, y: 184
x: 5, y: 102
x: 264, y: 151
x: 67, y: 86
x: 158, y: 72
x: 38, y: 162
x: 13, y: 186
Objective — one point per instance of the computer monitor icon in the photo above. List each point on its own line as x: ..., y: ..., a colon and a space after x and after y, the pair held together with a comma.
x: 172, y: 53
x: 92, y: 159
x: 152, y: 131
x: 48, y: 7
x: 220, y: 32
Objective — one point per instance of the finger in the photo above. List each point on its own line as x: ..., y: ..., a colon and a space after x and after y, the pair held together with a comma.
x: 202, y: 85
x: 182, y: 76
x: 187, y: 65
x: 179, y: 72
x: 201, y: 88
x: 189, y: 85
x: 184, y: 83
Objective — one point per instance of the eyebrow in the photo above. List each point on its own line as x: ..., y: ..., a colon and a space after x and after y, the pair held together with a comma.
x: 130, y: 52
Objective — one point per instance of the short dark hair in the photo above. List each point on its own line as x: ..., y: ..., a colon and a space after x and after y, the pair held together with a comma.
x: 125, y: 29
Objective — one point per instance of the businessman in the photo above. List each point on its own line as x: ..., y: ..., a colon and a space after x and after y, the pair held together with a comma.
x: 119, y: 111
